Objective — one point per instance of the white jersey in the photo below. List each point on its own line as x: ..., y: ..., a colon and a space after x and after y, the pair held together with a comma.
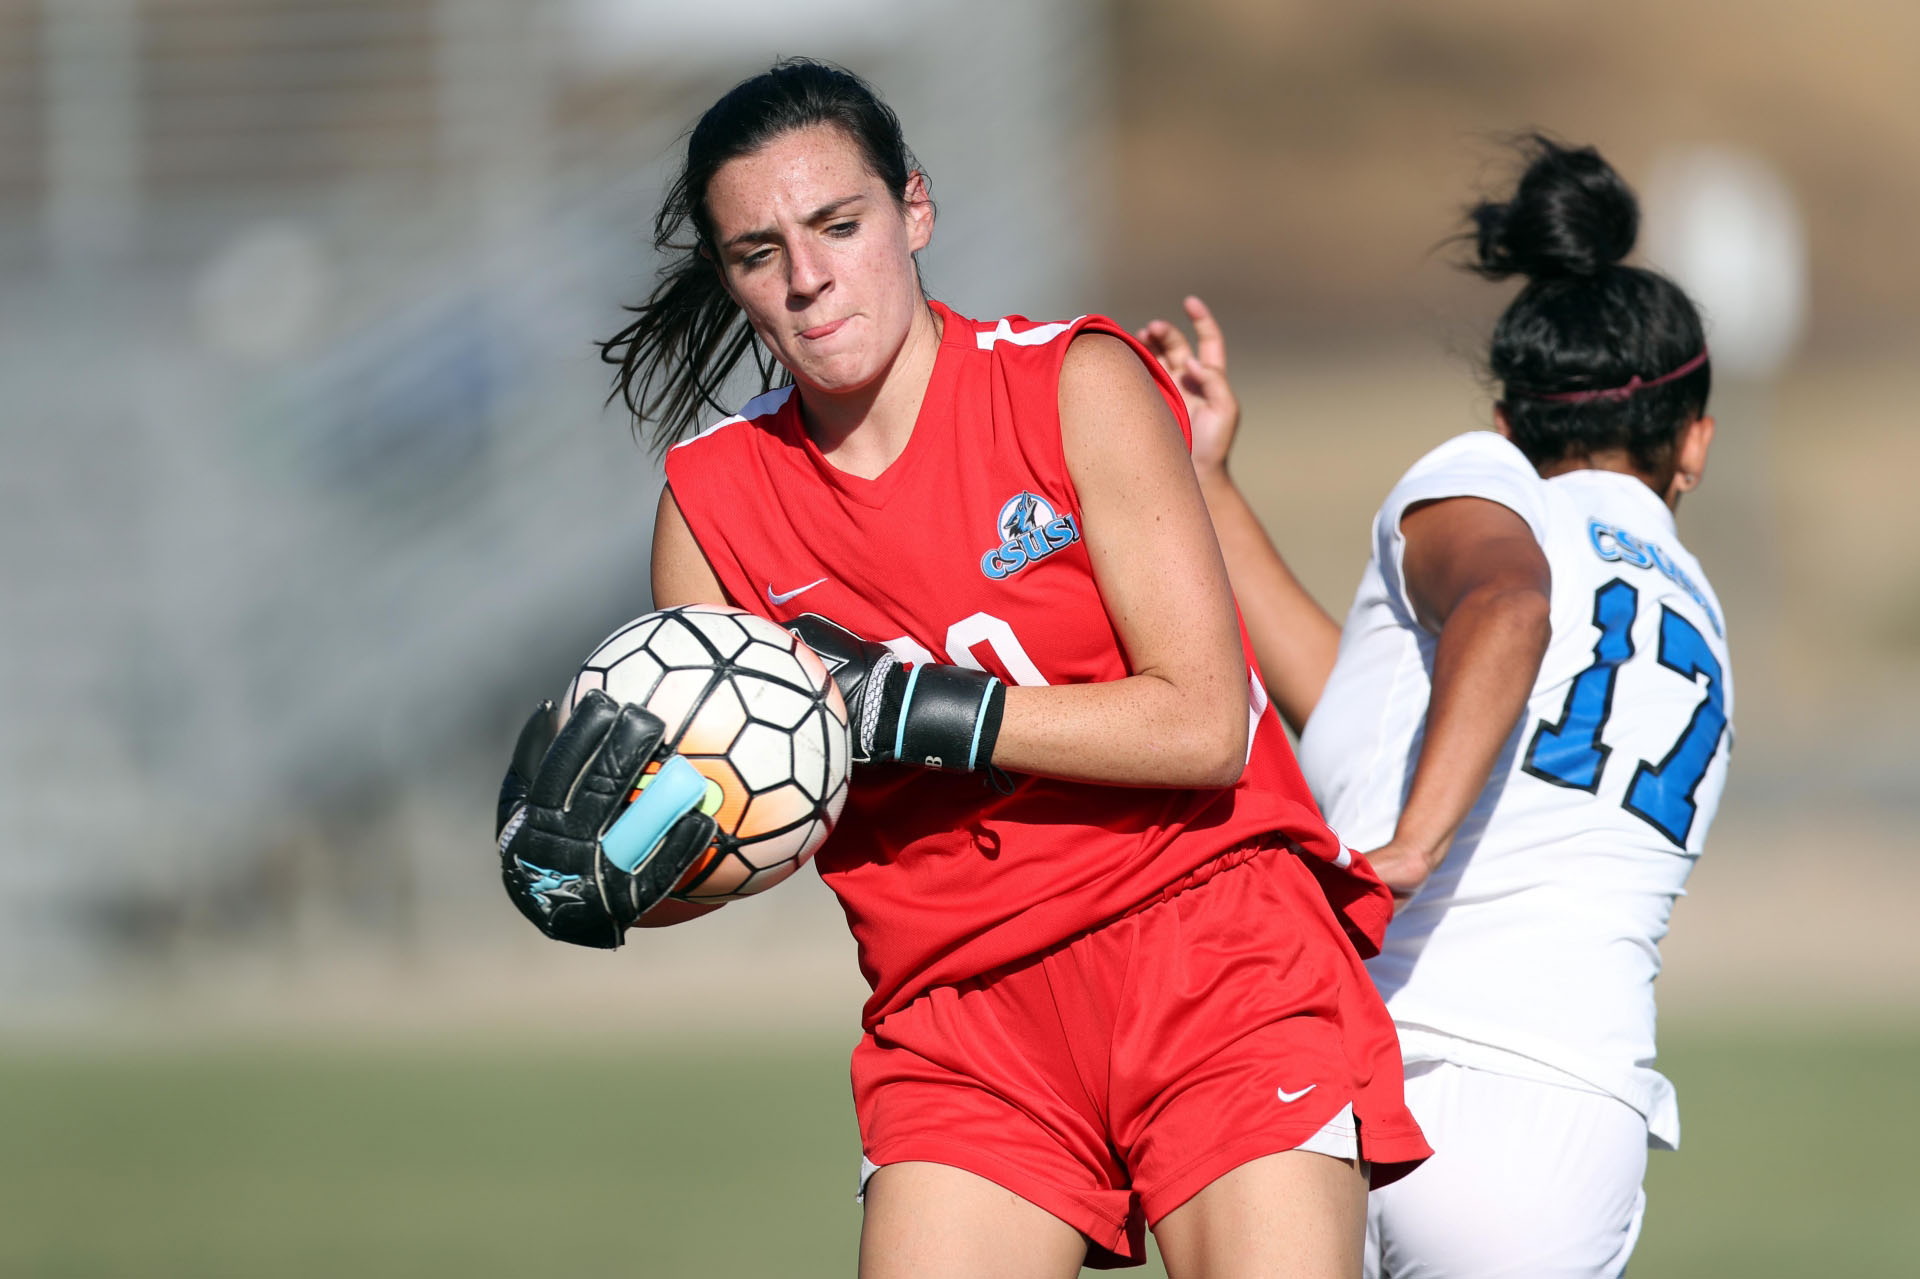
x: 1533, y: 948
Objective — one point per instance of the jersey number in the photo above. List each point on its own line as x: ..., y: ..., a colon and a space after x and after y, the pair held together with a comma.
x: 977, y: 628
x: 1570, y: 753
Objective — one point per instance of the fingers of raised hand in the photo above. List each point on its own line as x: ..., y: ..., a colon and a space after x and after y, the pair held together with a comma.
x: 1206, y: 329
x: 1210, y: 384
x: 1168, y: 344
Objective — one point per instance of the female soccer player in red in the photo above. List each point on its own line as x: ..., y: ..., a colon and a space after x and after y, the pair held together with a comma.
x: 1114, y: 951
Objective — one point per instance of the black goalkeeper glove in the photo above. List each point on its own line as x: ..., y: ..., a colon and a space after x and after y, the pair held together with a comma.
x: 945, y: 717
x: 578, y: 859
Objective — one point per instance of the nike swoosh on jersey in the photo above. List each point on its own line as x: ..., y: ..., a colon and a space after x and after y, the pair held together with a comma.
x: 1295, y: 1096
x: 778, y: 598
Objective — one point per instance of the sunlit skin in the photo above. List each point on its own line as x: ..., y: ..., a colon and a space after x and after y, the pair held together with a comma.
x: 819, y: 256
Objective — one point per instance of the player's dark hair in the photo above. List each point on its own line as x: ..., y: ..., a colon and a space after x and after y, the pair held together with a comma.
x: 1587, y: 352
x: 689, y: 336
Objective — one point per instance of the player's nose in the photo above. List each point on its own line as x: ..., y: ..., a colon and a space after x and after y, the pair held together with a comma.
x: 808, y: 271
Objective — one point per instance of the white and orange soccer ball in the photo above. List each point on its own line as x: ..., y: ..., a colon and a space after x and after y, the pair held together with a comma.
x: 756, y: 712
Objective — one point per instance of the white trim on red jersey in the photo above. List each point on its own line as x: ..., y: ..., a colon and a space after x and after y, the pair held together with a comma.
x: 1038, y: 335
x: 758, y: 407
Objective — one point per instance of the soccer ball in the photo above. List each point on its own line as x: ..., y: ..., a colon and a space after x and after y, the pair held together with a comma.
x: 755, y: 711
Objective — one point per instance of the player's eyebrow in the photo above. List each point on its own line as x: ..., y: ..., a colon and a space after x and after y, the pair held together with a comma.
x: 761, y: 235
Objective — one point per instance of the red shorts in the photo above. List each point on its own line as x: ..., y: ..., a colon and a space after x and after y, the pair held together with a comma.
x: 1112, y: 1078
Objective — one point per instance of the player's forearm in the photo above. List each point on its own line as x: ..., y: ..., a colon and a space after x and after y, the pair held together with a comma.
x: 1484, y: 668
x: 1294, y: 639
x: 1143, y: 730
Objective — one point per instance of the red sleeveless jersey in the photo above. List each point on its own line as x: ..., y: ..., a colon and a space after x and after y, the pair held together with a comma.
x: 968, y: 550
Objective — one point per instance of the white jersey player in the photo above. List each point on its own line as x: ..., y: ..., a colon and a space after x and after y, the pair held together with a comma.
x: 1530, y: 952
x: 1526, y: 721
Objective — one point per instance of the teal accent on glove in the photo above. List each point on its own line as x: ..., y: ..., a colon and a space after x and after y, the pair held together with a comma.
x: 906, y: 700
x: 675, y: 791
x: 979, y: 721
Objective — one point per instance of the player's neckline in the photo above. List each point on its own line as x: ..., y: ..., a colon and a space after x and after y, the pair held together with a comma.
x: 933, y: 419
x: 1623, y: 483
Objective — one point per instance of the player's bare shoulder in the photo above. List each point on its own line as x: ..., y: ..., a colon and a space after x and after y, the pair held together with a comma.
x: 1110, y: 405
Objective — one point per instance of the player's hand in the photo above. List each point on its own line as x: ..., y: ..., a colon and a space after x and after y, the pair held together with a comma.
x: 578, y: 860
x: 866, y: 673
x: 945, y: 717
x: 1200, y: 370
x: 1402, y: 868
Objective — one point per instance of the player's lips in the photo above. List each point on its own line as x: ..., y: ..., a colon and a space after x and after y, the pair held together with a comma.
x: 826, y: 330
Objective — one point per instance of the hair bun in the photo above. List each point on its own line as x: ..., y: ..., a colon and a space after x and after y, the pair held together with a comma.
x: 1571, y: 215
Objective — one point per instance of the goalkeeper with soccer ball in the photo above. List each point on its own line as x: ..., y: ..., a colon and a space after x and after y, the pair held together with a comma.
x: 1115, y: 953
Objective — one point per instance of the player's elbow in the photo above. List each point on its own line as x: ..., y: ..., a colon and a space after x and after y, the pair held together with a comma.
x: 1525, y: 615
x: 1225, y: 773
x: 1217, y: 753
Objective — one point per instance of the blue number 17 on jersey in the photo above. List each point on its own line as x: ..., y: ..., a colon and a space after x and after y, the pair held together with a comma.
x: 1570, y: 753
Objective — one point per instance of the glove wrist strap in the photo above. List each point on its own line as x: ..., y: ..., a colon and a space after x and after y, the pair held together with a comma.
x: 948, y: 718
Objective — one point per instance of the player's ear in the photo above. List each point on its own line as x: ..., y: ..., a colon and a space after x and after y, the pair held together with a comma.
x: 1690, y: 457
x: 918, y: 211
x: 1500, y: 422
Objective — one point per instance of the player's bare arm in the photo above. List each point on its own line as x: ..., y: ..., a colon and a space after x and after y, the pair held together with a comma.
x: 1294, y: 639
x: 681, y: 574
x: 1475, y: 576
x: 1181, y: 718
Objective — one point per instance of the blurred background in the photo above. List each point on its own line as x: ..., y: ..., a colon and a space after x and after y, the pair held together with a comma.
x: 308, y: 493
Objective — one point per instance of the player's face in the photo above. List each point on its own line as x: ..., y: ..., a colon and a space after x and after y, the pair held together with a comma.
x: 819, y: 254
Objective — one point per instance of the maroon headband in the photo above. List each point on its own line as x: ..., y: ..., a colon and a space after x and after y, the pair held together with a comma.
x: 1634, y: 383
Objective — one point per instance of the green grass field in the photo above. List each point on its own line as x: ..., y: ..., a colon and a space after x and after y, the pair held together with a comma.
x: 486, y: 1158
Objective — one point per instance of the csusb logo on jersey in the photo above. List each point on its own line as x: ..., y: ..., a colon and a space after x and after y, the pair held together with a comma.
x: 1030, y: 531
x: 1617, y: 545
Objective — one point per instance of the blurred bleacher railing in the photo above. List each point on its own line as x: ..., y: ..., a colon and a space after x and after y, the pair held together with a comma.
x: 308, y: 489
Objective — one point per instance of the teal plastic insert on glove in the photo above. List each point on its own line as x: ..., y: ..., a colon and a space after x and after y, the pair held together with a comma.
x: 675, y: 791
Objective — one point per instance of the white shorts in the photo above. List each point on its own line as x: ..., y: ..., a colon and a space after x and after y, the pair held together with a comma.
x: 1527, y: 1179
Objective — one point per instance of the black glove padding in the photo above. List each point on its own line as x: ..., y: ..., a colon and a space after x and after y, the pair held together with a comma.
x: 566, y: 867
x: 936, y: 716
x: 866, y: 673
x: 535, y: 736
